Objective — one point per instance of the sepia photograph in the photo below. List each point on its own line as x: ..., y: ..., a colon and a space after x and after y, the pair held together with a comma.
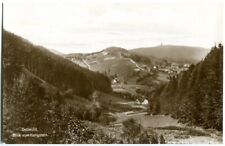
x: 112, y: 72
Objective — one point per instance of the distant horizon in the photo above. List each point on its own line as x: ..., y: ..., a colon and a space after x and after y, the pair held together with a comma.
x: 85, y: 26
x: 162, y: 44
x: 100, y: 49
x: 136, y: 48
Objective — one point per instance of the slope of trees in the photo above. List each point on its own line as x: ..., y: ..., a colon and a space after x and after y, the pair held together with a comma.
x: 36, y: 84
x: 195, y: 95
x: 29, y: 102
x: 52, y: 68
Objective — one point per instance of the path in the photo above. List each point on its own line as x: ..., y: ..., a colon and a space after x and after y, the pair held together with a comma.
x: 89, y: 67
x: 132, y: 61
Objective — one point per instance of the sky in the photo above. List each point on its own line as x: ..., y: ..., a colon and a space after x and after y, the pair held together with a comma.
x: 72, y: 26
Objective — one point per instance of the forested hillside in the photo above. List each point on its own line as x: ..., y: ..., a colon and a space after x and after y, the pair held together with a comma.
x: 50, y: 100
x: 44, y: 91
x: 194, y: 96
x: 31, y: 103
x: 52, y: 68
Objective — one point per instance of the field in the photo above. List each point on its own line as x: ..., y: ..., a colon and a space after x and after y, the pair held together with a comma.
x: 173, y: 131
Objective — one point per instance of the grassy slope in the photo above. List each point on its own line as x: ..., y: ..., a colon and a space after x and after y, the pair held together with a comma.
x: 121, y: 63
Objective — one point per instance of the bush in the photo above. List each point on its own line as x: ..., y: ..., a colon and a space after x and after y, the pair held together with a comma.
x: 135, y: 134
x: 106, y: 120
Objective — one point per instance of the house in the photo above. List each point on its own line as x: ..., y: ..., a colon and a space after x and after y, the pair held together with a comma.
x: 137, y: 101
x: 155, y: 67
x: 174, y: 66
x: 145, y: 102
x: 114, y: 81
x: 186, y: 65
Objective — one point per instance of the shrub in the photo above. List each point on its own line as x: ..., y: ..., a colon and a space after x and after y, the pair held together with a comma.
x: 134, y: 133
x: 104, y: 119
x: 93, y: 112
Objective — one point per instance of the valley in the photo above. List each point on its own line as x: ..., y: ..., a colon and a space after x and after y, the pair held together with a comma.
x: 173, y: 131
x: 111, y: 96
x: 128, y: 71
x: 125, y: 75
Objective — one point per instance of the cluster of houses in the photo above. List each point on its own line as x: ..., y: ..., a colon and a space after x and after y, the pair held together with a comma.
x: 172, y: 68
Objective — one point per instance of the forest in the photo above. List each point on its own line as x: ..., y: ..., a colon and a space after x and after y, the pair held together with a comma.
x: 52, y: 68
x: 37, y: 86
x: 194, y: 96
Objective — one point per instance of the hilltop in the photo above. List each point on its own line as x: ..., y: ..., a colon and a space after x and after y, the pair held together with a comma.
x: 121, y: 66
x: 179, y: 54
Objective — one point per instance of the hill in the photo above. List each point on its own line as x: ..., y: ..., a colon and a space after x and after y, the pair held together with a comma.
x: 129, y: 69
x: 44, y: 91
x: 121, y: 66
x: 180, y: 54
x: 52, y: 68
x: 194, y: 96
